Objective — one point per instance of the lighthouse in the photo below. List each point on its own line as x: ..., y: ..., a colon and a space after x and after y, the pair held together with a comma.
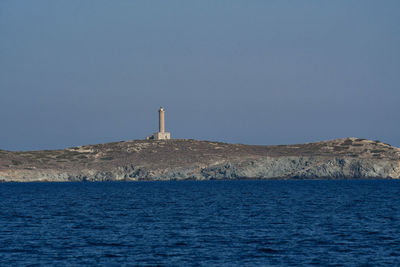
x: 161, y: 134
x: 161, y: 120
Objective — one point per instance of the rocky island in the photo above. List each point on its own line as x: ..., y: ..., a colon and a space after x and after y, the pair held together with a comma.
x: 179, y: 159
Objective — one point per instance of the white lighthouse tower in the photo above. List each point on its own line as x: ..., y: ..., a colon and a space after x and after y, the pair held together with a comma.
x: 161, y: 134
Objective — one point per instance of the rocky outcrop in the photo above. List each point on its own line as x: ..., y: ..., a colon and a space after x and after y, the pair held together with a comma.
x: 349, y: 158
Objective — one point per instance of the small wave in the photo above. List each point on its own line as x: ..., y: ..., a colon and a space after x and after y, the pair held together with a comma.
x: 268, y: 250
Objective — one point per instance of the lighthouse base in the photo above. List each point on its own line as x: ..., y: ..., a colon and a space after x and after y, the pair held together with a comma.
x: 159, y: 136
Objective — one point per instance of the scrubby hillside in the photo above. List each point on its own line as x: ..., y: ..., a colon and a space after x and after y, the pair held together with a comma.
x: 191, y: 159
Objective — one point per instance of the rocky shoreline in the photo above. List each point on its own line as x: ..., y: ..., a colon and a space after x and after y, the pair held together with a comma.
x: 182, y: 159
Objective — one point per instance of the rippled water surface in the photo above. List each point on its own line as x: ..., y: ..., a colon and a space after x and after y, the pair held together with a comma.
x: 213, y: 223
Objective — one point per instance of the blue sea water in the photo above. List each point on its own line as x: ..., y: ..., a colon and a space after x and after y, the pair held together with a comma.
x: 212, y: 223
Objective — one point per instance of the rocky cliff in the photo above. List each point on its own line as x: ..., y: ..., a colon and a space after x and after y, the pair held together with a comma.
x: 190, y: 159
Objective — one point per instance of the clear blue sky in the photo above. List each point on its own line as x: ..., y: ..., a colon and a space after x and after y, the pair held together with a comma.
x: 255, y: 72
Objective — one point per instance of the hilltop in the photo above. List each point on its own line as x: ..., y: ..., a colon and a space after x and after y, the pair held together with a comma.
x: 190, y: 159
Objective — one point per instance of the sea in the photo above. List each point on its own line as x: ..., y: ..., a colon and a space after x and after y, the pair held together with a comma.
x: 201, y: 223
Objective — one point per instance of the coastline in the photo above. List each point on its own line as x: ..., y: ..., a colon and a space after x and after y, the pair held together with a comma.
x: 143, y: 160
